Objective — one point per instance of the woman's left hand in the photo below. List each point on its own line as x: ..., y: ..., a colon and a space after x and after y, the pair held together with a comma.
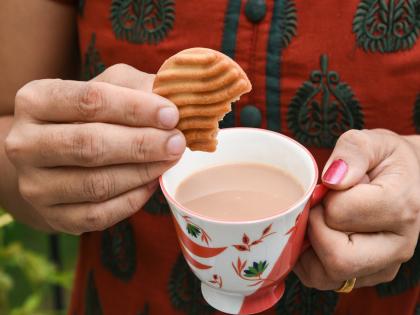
x: 370, y: 221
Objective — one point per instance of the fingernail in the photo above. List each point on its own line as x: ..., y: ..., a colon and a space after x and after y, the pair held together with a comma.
x: 168, y: 117
x: 335, y: 173
x: 176, y: 145
x: 153, y: 185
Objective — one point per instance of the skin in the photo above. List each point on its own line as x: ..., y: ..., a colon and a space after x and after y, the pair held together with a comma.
x: 369, y: 223
x: 93, y: 160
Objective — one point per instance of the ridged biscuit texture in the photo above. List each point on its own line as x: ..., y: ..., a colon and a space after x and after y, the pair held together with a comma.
x: 202, y: 83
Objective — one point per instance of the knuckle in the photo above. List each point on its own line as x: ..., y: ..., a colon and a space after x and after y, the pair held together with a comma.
x: 385, y: 132
x: 406, y: 253
x: 28, y: 190
x: 98, y: 187
x: 410, y: 211
x: 139, y: 150
x: 307, y: 281
x: 14, y: 146
x: 353, y: 138
x: 134, y: 204
x: 58, y: 225
x: 339, y: 267
x: 91, y: 100
x: 144, y: 173
x: 26, y: 97
x: 132, y: 114
x: 408, y: 216
x: 333, y: 213
x: 96, y: 219
x: 119, y: 69
x: 48, y: 141
x: 87, y: 148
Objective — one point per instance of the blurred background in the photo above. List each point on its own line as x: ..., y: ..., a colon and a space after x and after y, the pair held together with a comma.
x: 36, y: 269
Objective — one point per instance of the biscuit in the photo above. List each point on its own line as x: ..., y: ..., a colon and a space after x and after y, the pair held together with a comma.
x: 202, y: 83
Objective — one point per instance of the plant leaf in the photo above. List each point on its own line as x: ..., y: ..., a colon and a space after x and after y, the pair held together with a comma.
x: 241, y: 248
x: 245, y: 239
x: 267, y: 229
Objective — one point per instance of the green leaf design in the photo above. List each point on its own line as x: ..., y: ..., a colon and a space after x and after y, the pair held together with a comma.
x: 157, y: 204
x: 288, y: 22
x: 323, y: 108
x: 193, y: 230
x: 93, y: 64
x: 387, y: 26
x: 142, y: 21
x: 92, y: 302
x: 185, y: 290
x: 81, y: 7
x: 118, y: 250
x: 256, y: 270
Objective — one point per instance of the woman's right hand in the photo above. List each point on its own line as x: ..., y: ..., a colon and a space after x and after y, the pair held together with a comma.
x: 88, y: 154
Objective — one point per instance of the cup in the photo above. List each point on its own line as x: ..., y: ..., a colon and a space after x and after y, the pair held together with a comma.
x: 242, y: 265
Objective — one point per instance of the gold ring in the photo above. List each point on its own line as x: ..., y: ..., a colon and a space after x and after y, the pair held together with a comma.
x: 347, y: 286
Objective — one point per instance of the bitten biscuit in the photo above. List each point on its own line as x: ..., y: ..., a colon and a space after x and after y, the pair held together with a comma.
x: 202, y: 83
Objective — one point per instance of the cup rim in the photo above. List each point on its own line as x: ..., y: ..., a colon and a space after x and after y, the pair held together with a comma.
x: 306, y: 196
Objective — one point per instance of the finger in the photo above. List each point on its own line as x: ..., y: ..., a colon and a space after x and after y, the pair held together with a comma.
x: 88, y: 217
x: 312, y: 273
x: 363, y: 208
x: 97, y: 144
x: 383, y: 276
x: 53, y: 186
x: 381, y: 203
x: 127, y: 76
x: 355, y: 154
x: 345, y: 256
x: 74, y: 101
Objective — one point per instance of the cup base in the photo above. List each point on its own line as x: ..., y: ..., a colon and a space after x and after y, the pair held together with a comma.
x: 232, y: 303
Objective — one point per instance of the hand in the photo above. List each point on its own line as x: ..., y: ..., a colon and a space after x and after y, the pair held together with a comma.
x: 369, y: 223
x: 88, y: 154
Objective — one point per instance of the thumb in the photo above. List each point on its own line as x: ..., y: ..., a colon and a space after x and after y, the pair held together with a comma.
x: 355, y: 154
x: 127, y: 76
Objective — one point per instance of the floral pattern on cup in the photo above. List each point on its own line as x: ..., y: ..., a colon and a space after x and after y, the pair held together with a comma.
x: 247, y: 244
x: 253, y: 273
x: 195, y: 231
x: 293, y: 228
x: 217, y: 280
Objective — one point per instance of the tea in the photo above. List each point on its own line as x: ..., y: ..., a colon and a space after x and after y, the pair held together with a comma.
x: 239, y: 192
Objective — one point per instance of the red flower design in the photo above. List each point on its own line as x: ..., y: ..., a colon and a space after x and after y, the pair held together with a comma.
x: 217, y: 280
x: 246, y: 245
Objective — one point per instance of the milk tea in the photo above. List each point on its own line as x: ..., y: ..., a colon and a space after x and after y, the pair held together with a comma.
x: 239, y: 192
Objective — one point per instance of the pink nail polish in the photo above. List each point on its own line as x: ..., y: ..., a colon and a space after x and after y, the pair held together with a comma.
x: 335, y: 173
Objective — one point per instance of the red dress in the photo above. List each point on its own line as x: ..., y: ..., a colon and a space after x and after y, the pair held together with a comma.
x: 318, y: 68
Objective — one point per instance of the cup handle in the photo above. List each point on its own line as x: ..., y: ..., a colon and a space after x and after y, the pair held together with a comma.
x: 319, y: 193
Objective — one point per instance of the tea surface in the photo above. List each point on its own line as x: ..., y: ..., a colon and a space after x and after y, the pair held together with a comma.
x: 239, y: 192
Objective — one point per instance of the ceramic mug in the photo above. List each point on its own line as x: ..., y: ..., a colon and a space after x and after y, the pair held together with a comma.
x: 242, y: 265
